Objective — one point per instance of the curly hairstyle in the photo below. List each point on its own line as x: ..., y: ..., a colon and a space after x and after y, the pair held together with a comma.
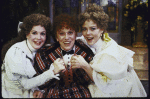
x: 64, y: 20
x: 96, y: 14
x: 28, y: 23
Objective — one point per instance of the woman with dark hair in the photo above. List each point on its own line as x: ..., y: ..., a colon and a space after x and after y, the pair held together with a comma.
x: 73, y: 81
x: 112, y: 65
x: 18, y: 79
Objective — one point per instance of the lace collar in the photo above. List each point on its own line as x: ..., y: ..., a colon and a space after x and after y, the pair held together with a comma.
x: 97, y: 46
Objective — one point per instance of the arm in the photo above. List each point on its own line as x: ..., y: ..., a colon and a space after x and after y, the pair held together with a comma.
x: 15, y: 70
x: 77, y: 61
x: 38, y: 80
x: 57, y: 67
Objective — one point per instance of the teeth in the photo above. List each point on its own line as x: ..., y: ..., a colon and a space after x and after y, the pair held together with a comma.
x: 89, y: 38
x: 66, y: 42
x: 38, y: 43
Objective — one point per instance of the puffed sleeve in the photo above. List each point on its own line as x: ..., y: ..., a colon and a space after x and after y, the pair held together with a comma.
x: 109, y: 75
x: 14, y: 63
x: 16, y: 70
x: 110, y: 69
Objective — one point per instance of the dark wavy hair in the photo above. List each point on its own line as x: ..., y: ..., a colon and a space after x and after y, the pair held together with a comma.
x: 28, y: 23
x: 96, y: 14
x: 64, y: 20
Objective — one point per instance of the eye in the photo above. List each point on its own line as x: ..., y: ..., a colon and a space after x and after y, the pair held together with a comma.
x: 70, y: 32
x: 34, y: 32
x: 43, y: 33
x: 83, y: 29
x: 93, y: 28
x: 61, y: 33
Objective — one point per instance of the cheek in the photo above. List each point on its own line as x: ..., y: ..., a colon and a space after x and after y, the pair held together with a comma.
x: 29, y: 37
x: 83, y: 33
x: 73, y: 37
x: 98, y: 34
x: 59, y: 38
x: 44, y: 38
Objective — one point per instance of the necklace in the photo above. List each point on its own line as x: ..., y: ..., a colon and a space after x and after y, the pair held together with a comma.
x: 28, y: 47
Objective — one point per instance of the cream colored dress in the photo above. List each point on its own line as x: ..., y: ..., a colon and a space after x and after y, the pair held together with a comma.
x: 17, y: 72
x: 113, y: 71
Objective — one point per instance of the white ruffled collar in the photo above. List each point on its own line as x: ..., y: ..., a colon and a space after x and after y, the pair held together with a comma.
x: 97, y: 46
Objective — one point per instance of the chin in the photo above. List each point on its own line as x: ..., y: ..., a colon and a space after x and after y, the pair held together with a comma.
x: 90, y: 43
x: 37, y: 47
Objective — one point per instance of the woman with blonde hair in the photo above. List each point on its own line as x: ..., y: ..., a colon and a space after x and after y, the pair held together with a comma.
x: 112, y: 65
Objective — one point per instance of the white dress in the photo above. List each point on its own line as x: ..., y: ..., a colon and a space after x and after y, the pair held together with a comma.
x: 113, y: 71
x: 17, y: 72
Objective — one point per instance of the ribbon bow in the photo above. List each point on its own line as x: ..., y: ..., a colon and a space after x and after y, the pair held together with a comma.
x: 69, y: 52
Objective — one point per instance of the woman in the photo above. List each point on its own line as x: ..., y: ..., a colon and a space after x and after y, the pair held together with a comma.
x: 17, y: 69
x: 73, y: 81
x: 113, y: 72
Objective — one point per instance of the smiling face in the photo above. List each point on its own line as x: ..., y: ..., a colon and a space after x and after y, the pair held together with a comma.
x: 37, y: 36
x: 91, y: 32
x: 66, y: 38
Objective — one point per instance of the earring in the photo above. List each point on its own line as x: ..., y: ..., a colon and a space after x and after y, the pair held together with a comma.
x: 106, y: 37
x: 101, y: 35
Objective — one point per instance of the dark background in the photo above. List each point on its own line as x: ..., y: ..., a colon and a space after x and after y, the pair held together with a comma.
x: 13, y: 11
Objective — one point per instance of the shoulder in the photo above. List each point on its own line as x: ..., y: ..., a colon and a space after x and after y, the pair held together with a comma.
x: 48, y: 48
x: 83, y: 46
x: 16, y: 48
x: 115, y: 50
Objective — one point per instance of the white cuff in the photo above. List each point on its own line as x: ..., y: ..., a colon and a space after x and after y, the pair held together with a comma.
x: 40, y: 79
x: 36, y: 88
x: 51, y: 72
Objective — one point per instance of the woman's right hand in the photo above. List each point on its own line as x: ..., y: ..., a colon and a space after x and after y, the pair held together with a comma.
x: 58, y: 65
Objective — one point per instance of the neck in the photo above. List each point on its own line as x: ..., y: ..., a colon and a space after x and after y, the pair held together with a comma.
x: 30, y: 47
x: 96, y: 44
x: 73, y: 48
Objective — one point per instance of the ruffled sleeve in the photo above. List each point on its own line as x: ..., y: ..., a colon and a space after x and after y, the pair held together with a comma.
x: 20, y: 71
x: 110, y: 67
x: 113, y: 61
x: 14, y: 61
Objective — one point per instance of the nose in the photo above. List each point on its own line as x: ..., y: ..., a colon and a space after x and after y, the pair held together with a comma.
x: 88, y: 31
x: 66, y: 36
x: 38, y: 36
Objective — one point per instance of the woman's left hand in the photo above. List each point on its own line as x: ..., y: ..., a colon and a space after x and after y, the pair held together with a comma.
x: 77, y: 61
x: 37, y: 94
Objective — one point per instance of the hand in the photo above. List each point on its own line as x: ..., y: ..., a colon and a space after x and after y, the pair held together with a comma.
x: 59, y: 65
x: 77, y: 61
x: 37, y: 94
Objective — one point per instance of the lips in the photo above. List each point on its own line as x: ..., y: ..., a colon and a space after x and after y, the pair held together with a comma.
x: 67, y: 42
x: 89, y: 38
x: 37, y: 42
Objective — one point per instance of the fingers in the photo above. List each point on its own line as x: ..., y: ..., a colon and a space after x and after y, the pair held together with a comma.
x: 75, y: 54
x: 59, y: 60
x: 76, y: 57
x: 75, y: 66
x: 34, y: 95
x: 56, y: 77
x: 40, y: 95
x: 37, y: 94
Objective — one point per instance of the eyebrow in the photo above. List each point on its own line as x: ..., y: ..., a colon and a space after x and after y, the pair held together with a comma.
x: 91, y: 26
x: 36, y: 31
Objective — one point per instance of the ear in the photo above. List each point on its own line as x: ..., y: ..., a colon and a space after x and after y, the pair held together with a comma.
x: 102, y: 30
x: 56, y: 39
x: 27, y: 36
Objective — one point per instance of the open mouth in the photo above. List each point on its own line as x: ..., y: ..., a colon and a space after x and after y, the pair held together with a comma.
x: 37, y: 42
x: 89, y: 38
x: 67, y: 42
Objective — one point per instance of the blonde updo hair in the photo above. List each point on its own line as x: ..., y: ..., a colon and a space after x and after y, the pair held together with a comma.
x: 96, y: 14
